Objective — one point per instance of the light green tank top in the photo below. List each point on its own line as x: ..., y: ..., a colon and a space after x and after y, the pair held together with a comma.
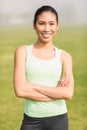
x: 44, y: 72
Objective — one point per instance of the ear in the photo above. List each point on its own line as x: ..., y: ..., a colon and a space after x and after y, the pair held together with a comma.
x: 34, y: 25
x: 58, y: 25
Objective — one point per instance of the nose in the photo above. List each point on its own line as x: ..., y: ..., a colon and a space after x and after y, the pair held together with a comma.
x: 47, y: 28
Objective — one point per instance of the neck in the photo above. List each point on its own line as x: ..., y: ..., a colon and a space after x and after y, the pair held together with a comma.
x: 43, y: 45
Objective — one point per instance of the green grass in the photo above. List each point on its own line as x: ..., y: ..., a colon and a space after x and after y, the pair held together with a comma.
x: 74, y: 40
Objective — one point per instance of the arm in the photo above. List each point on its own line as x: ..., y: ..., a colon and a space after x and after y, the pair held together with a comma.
x: 22, y: 87
x: 61, y: 91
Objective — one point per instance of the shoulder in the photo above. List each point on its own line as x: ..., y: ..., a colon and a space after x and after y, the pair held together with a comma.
x: 66, y: 56
x: 20, y: 51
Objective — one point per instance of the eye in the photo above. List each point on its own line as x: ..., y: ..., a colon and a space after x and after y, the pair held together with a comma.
x: 52, y: 23
x: 41, y: 23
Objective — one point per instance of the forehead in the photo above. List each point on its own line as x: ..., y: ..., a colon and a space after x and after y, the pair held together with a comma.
x: 47, y: 15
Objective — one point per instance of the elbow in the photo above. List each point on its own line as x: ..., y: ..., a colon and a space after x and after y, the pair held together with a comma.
x: 69, y: 96
x: 19, y: 92
x: 70, y: 92
x: 19, y: 89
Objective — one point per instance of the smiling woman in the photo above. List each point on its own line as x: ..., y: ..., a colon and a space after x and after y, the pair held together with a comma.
x: 46, y: 27
x: 46, y: 24
x: 43, y: 76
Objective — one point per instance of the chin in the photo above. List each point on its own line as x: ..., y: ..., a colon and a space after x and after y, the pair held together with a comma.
x: 45, y: 40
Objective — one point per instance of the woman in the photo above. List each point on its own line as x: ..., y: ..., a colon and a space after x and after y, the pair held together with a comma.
x: 43, y: 76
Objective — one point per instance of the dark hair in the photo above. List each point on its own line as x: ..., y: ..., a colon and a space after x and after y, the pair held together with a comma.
x: 44, y: 9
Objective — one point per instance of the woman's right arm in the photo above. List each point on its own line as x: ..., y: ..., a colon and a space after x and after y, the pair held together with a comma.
x: 22, y: 87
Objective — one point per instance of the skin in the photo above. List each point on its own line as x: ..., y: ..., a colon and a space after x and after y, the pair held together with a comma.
x: 46, y: 28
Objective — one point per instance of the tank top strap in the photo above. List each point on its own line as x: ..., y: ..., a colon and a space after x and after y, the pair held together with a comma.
x: 58, y: 52
x: 29, y: 50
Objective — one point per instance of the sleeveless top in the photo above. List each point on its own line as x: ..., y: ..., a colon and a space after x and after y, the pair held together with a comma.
x: 47, y: 73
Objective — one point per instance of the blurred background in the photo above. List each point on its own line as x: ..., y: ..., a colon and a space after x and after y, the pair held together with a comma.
x: 22, y: 11
x: 16, y: 29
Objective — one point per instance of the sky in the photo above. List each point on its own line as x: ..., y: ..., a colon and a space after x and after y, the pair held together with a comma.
x: 73, y: 11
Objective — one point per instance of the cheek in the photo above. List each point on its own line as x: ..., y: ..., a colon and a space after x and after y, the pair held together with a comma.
x: 38, y: 29
x: 54, y: 30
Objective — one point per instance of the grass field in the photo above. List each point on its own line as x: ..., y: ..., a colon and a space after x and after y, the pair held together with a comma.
x: 74, y: 40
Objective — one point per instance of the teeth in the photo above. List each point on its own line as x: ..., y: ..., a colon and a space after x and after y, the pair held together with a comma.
x: 46, y: 35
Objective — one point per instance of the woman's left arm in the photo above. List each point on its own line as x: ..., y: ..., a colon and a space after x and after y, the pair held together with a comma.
x: 65, y: 89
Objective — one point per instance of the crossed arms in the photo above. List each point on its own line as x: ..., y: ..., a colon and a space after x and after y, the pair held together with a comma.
x: 25, y: 89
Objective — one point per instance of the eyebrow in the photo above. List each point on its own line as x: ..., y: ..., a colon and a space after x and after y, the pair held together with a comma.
x: 44, y: 21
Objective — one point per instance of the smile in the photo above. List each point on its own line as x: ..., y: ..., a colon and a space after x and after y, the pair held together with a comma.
x: 46, y: 35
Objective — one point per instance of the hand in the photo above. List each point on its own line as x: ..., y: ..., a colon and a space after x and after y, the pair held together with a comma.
x: 64, y: 81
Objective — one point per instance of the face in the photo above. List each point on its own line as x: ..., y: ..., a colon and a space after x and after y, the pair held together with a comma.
x: 46, y: 27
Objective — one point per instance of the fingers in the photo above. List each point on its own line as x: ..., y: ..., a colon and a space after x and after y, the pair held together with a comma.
x: 64, y: 81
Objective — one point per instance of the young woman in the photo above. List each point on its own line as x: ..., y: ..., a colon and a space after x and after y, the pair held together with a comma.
x: 43, y: 76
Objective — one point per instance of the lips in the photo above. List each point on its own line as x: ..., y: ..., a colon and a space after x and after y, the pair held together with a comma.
x: 46, y: 35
